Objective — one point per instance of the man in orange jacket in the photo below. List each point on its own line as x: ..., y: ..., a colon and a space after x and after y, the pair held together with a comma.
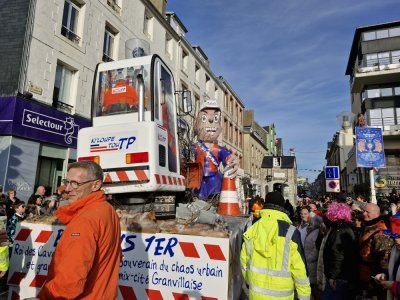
x: 86, y: 262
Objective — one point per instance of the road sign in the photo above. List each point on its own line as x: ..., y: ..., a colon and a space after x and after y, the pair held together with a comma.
x: 332, y: 172
x: 332, y: 185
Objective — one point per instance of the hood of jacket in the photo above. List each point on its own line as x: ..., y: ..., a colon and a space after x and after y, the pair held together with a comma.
x: 66, y: 213
x: 266, y: 241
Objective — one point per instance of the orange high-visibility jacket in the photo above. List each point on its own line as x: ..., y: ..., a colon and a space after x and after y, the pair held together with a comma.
x: 86, y: 262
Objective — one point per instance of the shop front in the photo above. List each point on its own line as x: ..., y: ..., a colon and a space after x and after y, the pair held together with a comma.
x: 36, y: 144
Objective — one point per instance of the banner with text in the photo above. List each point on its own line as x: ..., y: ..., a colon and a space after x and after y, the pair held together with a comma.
x: 154, y: 266
x: 369, y: 147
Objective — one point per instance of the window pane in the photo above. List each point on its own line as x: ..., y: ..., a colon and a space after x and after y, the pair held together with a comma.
x: 394, y: 31
x: 66, y: 86
x: 386, y: 92
x: 74, y: 20
x: 395, y: 57
x: 387, y: 112
x: 381, y: 34
x: 369, y: 36
x: 384, y: 58
x: 397, y: 91
x: 65, y: 14
x: 373, y: 93
x: 375, y: 113
x: 57, y: 83
x: 372, y: 59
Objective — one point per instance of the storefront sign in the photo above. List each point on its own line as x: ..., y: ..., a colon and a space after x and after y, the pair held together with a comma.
x: 29, y: 119
x: 387, y: 181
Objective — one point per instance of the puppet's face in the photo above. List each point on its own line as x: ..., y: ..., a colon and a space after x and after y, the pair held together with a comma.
x: 208, y: 125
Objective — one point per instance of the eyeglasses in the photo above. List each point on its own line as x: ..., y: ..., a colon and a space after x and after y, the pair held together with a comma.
x: 75, y: 184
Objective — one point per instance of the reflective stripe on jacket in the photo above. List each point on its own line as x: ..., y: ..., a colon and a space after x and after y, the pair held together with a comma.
x: 272, y: 259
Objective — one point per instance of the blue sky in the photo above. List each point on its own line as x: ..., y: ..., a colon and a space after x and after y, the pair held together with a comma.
x: 286, y: 59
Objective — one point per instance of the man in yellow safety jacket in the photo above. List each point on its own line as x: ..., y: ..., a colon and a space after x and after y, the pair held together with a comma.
x: 272, y: 257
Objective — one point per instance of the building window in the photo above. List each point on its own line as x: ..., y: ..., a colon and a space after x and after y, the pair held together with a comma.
x: 196, y: 103
x: 197, y: 73
x: 63, y: 85
x: 276, y: 162
x: 185, y: 61
x: 208, y: 82
x: 70, y: 20
x: 115, y: 5
x: 381, y: 34
x: 108, y: 46
x: 148, y: 24
x: 168, y: 45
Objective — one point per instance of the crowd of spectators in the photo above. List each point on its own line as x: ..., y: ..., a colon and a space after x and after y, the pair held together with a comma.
x: 351, y: 246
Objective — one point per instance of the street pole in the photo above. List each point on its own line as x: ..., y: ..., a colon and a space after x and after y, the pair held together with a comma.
x: 372, y: 185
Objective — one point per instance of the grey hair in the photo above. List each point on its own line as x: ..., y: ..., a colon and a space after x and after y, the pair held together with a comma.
x: 94, y: 170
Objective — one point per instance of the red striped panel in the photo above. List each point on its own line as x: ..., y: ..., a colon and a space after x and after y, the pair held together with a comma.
x: 23, y: 234
x: 141, y: 175
x: 208, y: 298
x: 108, y: 178
x: 158, y: 178
x: 122, y: 176
x: 154, y: 294
x: 214, y: 252
x: 189, y: 249
x: 44, y: 236
x: 127, y: 292
x: 170, y: 180
x: 174, y: 180
x: 38, y: 281
x: 16, y: 278
x: 178, y: 296
x: 184, y: 181
x: 179, y: 181
x: 164, y: 179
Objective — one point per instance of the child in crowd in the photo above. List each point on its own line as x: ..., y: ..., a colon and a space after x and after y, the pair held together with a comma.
x: 19, y: 215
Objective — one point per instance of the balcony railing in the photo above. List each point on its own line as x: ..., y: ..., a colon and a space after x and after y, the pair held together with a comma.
x: 62, y: 106
x: 70, y: 35
x: 380, y: 62
x: 107, y: 58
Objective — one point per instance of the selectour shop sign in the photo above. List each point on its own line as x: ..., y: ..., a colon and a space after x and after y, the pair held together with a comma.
x: 32, y: 120
x: 153, y: 266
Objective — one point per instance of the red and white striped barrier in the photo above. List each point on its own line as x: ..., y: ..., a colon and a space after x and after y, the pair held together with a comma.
x: 126, y: 176
x: 170, y: 180
x: 154, y: 266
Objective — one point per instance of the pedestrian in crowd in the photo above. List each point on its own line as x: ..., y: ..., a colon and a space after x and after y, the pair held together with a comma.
x: 339, y: 254
x: 62, y: 196
x: 256, y: 208
x: 11, y: 199
x: 305, y: 218
x: 311, y: 252
x: 374, y: 250
x: 272, y: 257
x: 2, y: 196
x: 290, y: 209
x: 41, y: 191
x: 357, y: 218
x: 49, y: 206
x: 391, y: 280
x: 85, y: 264
x: 324, y: 231
x: 19, y: 215
x: 34, y: 206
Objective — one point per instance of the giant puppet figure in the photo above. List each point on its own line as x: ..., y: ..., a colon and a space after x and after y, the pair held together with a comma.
x: 209, y: 154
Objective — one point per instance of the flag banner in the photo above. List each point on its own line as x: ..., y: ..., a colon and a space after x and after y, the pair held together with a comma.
x: 369, y: 147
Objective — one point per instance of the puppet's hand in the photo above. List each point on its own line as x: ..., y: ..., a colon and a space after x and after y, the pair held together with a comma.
x: 232, y: 166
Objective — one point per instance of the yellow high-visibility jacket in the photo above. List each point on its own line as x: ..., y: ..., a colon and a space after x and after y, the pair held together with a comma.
x: 272, y: 259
